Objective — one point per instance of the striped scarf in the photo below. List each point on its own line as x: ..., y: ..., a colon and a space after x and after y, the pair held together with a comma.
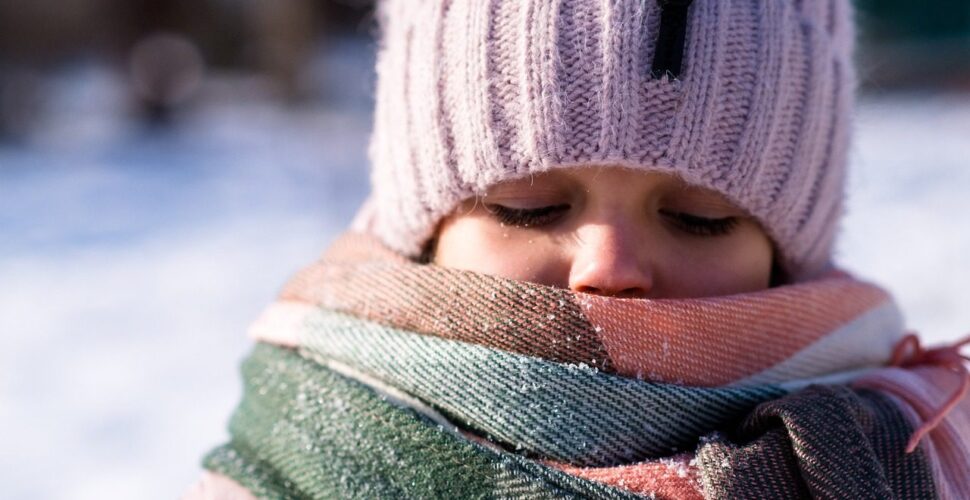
x: 375, y: 376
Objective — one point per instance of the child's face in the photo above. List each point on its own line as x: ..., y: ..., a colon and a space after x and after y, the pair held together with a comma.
x: 609, y: 231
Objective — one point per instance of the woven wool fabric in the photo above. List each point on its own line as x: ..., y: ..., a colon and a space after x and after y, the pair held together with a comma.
x: 474, y: 386
x: 474, y: 92
x: 341, y: 439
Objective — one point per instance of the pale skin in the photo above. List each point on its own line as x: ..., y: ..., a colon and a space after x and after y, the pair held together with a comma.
x: 609, y: 231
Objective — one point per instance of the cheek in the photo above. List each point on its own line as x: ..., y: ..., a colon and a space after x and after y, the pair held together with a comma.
x: 479, y: 245
x: 739, y: 264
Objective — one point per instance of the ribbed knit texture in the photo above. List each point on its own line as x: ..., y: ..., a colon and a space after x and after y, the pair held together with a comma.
x: 472, y: 92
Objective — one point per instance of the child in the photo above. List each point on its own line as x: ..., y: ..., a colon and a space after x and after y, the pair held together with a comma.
x: 596, y: 262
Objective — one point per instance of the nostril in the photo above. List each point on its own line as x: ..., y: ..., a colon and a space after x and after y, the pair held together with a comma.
x: 626, y: 293
x: 632, y: 293
x: 608, y: 263
x: 611, y: 278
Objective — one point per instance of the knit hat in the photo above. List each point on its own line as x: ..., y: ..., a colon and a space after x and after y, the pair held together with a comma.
x: 750, y: 98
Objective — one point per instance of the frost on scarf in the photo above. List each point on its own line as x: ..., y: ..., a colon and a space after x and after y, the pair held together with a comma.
x: 378, y: 376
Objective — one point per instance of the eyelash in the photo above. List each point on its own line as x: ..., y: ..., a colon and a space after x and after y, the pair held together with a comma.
x: 692, y: 224
x: 525, y: 217
x: 701, y: 226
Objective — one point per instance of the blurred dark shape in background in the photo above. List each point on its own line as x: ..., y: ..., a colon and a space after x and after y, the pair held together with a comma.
x: 175, y: 54
x: 20, y: 100
x: 915, y: 45
x: 170, y: 54
x: 166, y: 70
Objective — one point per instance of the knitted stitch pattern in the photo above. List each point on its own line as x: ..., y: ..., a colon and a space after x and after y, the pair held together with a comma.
x: 474, y: 92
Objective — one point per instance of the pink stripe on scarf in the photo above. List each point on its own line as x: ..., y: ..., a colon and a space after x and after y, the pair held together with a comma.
x: 673, y: 477
x: 720, y: 340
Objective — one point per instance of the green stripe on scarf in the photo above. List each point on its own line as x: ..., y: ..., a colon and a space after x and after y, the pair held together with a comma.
x: 303, y: 431
x: 570, y: 413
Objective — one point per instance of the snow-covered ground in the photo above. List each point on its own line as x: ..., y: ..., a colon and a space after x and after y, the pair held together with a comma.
x: 132, y: 261
x: 907, y: 226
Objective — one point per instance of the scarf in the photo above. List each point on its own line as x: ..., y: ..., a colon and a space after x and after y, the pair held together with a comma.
x: 374, y: 376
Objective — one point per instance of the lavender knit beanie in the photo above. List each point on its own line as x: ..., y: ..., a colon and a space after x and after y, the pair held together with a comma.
x: 750, y: 98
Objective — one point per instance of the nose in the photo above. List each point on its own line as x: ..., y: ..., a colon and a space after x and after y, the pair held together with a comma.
x: 607, y: 261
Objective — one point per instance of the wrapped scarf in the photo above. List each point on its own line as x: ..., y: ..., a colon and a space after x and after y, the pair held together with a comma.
x: 375, y: 376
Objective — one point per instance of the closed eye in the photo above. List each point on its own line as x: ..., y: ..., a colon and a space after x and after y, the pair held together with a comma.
x: 701, y: 226
x: 527, y: 217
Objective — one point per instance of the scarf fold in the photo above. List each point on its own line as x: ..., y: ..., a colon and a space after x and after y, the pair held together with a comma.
x: 377, y: 376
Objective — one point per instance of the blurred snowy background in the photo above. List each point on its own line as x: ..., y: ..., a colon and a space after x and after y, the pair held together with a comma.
x: 166, y: 165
